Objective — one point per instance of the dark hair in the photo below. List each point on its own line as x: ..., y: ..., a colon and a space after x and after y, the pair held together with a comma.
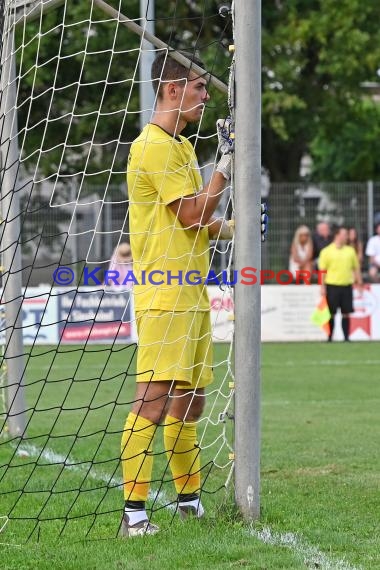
x: 165, y: 68
x: 356, y: 240
x: 337, y: 229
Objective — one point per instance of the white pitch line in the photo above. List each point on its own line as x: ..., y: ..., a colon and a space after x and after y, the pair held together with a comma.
x: 3, y: 524
x: 311, y: 556
x: 52, y: 457
x: 2, y: 527
x: 70, y: 463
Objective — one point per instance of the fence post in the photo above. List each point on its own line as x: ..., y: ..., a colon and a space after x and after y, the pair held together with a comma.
x: 370, y: 212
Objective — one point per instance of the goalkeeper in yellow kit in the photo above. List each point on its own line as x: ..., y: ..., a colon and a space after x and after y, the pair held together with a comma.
x: 170, y: 225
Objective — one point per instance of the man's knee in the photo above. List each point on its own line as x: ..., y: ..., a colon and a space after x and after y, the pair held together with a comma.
x: 200, y: 406
x: 195, y: 410
x: 152, y: 401
x: 151, y: 411
x: 187, y: 406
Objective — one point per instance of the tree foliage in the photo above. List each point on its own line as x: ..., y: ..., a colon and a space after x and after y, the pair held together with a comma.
x: 76, y: 88
x: 316, y: 55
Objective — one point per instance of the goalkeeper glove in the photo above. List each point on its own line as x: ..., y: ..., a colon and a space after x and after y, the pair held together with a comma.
x: 227, y: 229
x: 264, y: 221
x: 226, y: 137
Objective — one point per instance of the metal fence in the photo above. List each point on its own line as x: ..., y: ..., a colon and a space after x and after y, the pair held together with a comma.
x: 87, y: 230
x: 354, y: 204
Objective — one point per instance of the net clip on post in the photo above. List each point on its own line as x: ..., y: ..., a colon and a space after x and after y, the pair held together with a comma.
x: 225, y: 11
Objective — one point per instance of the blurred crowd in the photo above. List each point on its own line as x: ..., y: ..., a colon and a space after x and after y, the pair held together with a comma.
x: 307, y: 245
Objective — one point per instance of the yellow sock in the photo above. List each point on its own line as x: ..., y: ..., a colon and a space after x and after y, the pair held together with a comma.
x: 136, y: 456
x: 183, y: 454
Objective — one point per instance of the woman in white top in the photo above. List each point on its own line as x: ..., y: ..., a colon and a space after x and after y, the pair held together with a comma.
x: 301, y: 251
x: 121, y: 262
x: 373, y: 252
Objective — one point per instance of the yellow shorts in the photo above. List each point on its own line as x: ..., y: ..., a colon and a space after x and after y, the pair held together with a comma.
x: 175, y: 346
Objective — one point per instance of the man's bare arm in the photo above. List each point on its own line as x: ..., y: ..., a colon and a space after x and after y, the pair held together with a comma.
x: 196, y: 211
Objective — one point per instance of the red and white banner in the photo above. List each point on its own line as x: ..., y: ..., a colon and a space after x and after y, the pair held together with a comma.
x: 286, y: 312
x: 69, y: 315
x: 365, y: 321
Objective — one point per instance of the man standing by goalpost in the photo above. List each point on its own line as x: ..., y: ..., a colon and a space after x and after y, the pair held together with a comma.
x: 170, y: 225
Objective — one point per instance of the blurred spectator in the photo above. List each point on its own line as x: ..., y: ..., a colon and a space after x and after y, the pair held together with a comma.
x: 321, y: 238
x: 301, y: 251
x: 373, y: 252
x: 341, y: 264
x: 121, y: 261
x: 356, y: 243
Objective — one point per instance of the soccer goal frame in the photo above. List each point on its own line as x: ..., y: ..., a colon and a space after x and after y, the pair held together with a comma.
x: 247, y: 183
x: 247, y: 189
x: 13, y: 361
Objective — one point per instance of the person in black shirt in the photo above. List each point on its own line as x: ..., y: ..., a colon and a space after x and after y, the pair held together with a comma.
x: 321, y: 238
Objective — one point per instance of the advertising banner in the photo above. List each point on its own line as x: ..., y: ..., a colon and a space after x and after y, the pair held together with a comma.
x: 222, y: 314
x: 105, y: 316
x: 91, y: 315
x: 286, y: 314
x: 39, y: 318
x: 286, y: 311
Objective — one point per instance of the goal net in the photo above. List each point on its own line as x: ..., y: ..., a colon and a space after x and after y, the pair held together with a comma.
x: 75, y: 93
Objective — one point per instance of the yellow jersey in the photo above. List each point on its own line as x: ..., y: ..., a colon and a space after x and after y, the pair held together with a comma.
x: 339, y: 262
x: 162, y: 169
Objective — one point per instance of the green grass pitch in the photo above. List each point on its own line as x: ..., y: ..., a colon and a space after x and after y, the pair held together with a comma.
x: 320, y: 500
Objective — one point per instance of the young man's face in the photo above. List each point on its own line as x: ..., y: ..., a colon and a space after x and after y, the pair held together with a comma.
x: 193, y: 97
x: 341, y: 237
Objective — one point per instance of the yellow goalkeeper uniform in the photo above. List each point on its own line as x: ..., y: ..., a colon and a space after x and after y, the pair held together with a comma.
x: 173, y: 320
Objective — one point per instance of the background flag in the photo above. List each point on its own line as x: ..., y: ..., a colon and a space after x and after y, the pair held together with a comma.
x: 321, y: 315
